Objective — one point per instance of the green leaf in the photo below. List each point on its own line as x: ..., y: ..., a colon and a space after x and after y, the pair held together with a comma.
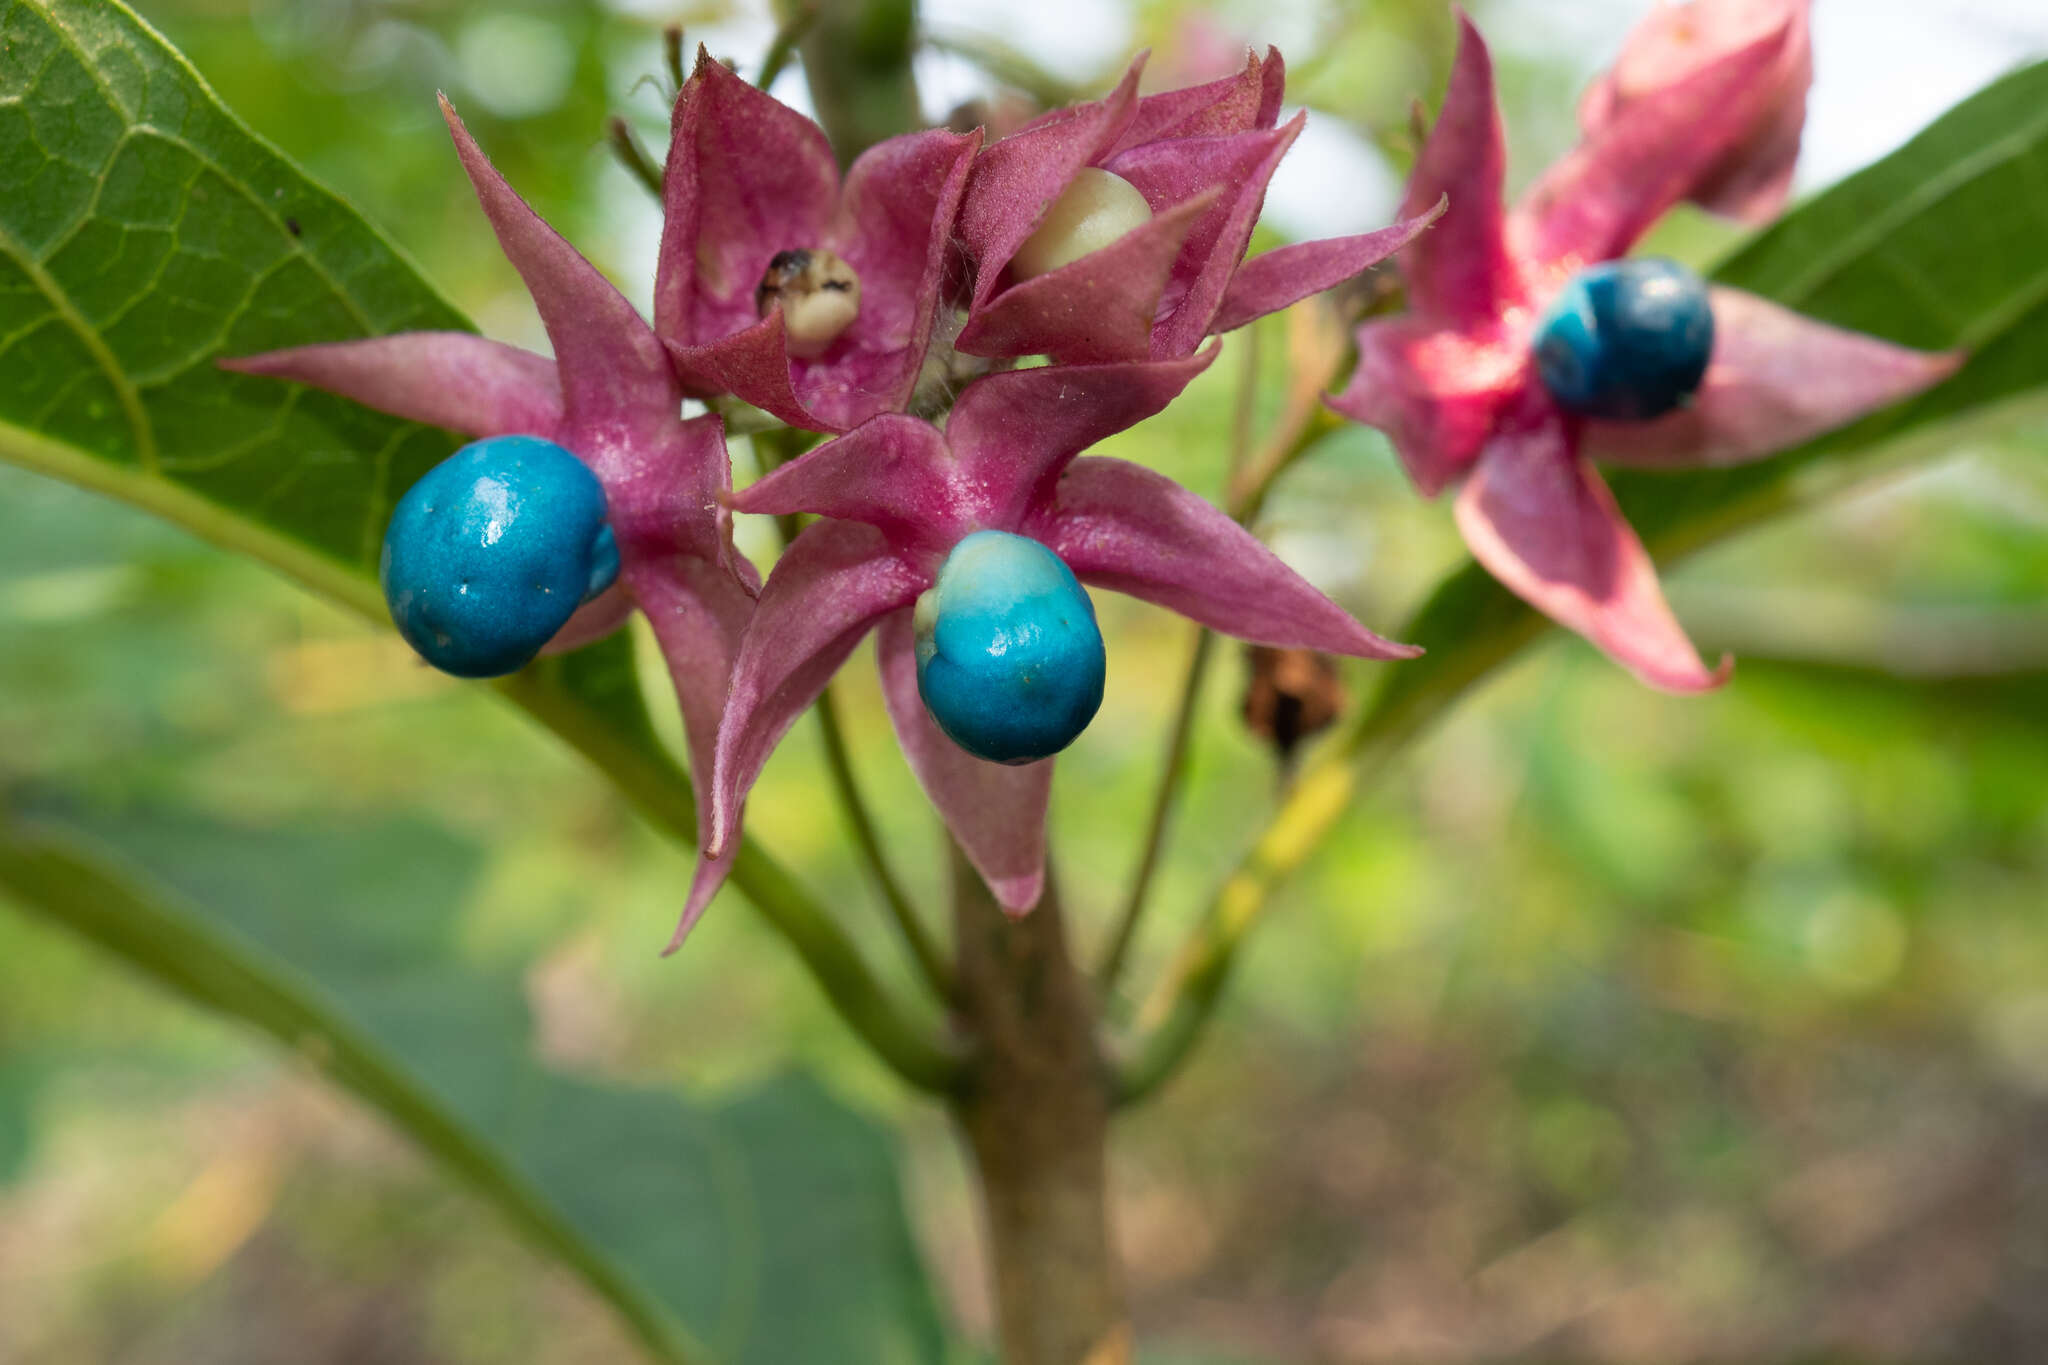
x: 144, y: 234
x: 761, y: 1231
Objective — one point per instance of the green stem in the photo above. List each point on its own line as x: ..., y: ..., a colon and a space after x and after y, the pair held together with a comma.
x: 792, y: 32
x: 1117, y: 954
x: 1009, y: 67
x: 775, y: 449
x: 1482, y: 627
x: 1178, y: 737
x: 916, y: 937
x: 628, y: 152
x: 672, y: 58
x: 857, y: 62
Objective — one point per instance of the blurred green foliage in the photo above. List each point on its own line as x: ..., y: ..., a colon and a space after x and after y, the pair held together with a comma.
x: 1610, y: 1027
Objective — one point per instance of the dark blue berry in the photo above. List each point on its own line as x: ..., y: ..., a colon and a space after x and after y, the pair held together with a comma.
x: 1627, y: 340
x: 492, y: 551
x: 1009, y: 658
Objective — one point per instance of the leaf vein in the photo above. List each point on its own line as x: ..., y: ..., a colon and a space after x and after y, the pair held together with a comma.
x: 1926, y: 195
x: 95, y: 345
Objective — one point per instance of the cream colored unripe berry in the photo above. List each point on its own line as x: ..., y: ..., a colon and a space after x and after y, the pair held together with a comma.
x: 1095, y: 210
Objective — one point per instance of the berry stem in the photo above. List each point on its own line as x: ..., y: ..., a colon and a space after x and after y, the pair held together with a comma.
x: 1180, y: 733
x: 776, y: 60
x: 917, y: 938
x: 628, y: 152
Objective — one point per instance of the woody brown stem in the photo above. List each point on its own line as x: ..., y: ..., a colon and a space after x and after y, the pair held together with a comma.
x: 1034, y: 1110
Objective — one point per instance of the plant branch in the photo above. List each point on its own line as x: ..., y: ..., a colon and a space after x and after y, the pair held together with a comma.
x: 672, y: 58
x: 1035, y: 1114
x: 1009, y: 66
x: 1318, y: 346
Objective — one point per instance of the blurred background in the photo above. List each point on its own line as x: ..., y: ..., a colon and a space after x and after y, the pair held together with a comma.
x: 1609, y: 1027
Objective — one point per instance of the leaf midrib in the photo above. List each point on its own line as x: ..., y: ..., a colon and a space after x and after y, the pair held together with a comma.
x: 1926, y: 195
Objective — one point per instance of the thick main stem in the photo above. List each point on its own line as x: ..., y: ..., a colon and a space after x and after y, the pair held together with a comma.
x: 1035, y: 1113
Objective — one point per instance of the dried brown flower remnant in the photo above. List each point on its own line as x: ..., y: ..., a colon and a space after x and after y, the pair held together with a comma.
x: 1292, y: 694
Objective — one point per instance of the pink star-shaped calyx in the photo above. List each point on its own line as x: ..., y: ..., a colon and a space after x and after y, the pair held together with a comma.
x: 898, y: 494
x: 611, y: 398
x: 1453, y: 384
x: 809, y: 298
x: 1754, y: 176
x: 1186, y: 172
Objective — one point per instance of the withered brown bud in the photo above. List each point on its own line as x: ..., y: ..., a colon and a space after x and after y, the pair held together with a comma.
x: 818, y: 293
x: 1292, y: 694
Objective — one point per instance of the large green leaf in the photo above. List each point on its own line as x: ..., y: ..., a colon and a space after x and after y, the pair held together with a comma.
x: 144, y: 233
x: 761, y: 1231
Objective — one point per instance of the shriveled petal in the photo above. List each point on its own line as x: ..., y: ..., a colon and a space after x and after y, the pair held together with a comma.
x: 1437, y: 394
x: 1541, y: 521
x: 1102, y: 307
x: 1286, y: 275
x: 609, y: 361
x: 1674, y: 41
x: 1460, y: 272
x: 836, y: 580
x: 1015, y: 181
x: 446, y: 379
x: 747, y: 177
x: 1594, y: 203
x: 699, y: 612
x: 1122, y: 526
x: 1013, y: 432
x: 892, y: 472
x: 1777, y: 380
x: 996, y: 813
x: 1235, y: 104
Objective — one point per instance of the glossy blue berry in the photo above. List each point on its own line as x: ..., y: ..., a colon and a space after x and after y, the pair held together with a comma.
x: 490, y: 553
x: 1627, y: 340
x: 1009, y: 658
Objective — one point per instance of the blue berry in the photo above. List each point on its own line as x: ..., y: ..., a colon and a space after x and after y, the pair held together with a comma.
x: 490, y: 553
x: 1627, y: 340
x: 1009, y: 658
